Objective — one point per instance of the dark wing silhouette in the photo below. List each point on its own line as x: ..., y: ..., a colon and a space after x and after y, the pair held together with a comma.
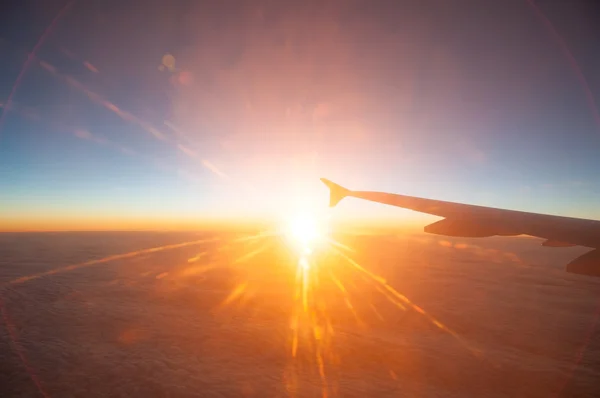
x: 464, y: 220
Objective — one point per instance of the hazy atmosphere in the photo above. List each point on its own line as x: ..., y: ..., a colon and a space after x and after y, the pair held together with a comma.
x: 164, y: 231
x: 152, y: 119
x: 168, y: 323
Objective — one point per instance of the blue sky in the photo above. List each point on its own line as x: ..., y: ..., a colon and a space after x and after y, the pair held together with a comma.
x: 475, y: 101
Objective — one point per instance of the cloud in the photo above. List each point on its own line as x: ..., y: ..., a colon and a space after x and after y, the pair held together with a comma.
x: 214, y: 169
x: 87, y: 135
x: 187, y: 150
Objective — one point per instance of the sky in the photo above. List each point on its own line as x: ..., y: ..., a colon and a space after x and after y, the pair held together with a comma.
x: 199, y: 110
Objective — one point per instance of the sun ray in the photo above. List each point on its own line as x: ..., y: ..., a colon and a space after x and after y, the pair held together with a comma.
x: 162, y: 275
x: 131, y: 254
x: 260, y: 235
x: 236, y: 293
x: 305, y: 269
x: 295, y: 321
x: 377, y: 313
x: 32, y: 55
x: 323, y: 376
x: 294, y: 327
x: 197, y: 257
x: 403, y: 299
x: 390, y: 297
x: 235, y: 243
x: 254, y: 253
x: 197, y: 270
x: 346, y: 296
x: 18, y: 349
x: 340, y: 245
x: 130, y: 118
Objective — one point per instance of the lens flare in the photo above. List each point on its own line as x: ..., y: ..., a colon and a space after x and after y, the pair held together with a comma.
x: 304, y: 232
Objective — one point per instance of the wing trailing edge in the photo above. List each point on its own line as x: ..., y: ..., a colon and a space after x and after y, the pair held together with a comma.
x: 459, y: 228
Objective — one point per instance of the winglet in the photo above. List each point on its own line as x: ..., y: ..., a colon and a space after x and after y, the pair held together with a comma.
x: 336, y: 192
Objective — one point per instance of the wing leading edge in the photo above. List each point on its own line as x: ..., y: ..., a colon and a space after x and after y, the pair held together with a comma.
x: 462, y: 220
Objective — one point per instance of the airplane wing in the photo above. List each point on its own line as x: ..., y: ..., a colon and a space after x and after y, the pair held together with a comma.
x: 462, y: 220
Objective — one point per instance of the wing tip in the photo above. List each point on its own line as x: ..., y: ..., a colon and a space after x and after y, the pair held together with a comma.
x: 336, y: 192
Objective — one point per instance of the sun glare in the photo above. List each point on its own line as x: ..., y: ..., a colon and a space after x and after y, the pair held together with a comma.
x: 304, y: 231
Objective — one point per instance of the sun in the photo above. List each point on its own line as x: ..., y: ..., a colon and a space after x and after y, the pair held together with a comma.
x: 304, y: 231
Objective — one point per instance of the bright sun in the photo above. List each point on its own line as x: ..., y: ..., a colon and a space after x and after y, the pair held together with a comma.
x: 304, y: 231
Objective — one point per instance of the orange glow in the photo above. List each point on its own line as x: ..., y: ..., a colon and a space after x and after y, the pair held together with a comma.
x: 304, y: 232
x: 63, y: 221
x: 317, y: 287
